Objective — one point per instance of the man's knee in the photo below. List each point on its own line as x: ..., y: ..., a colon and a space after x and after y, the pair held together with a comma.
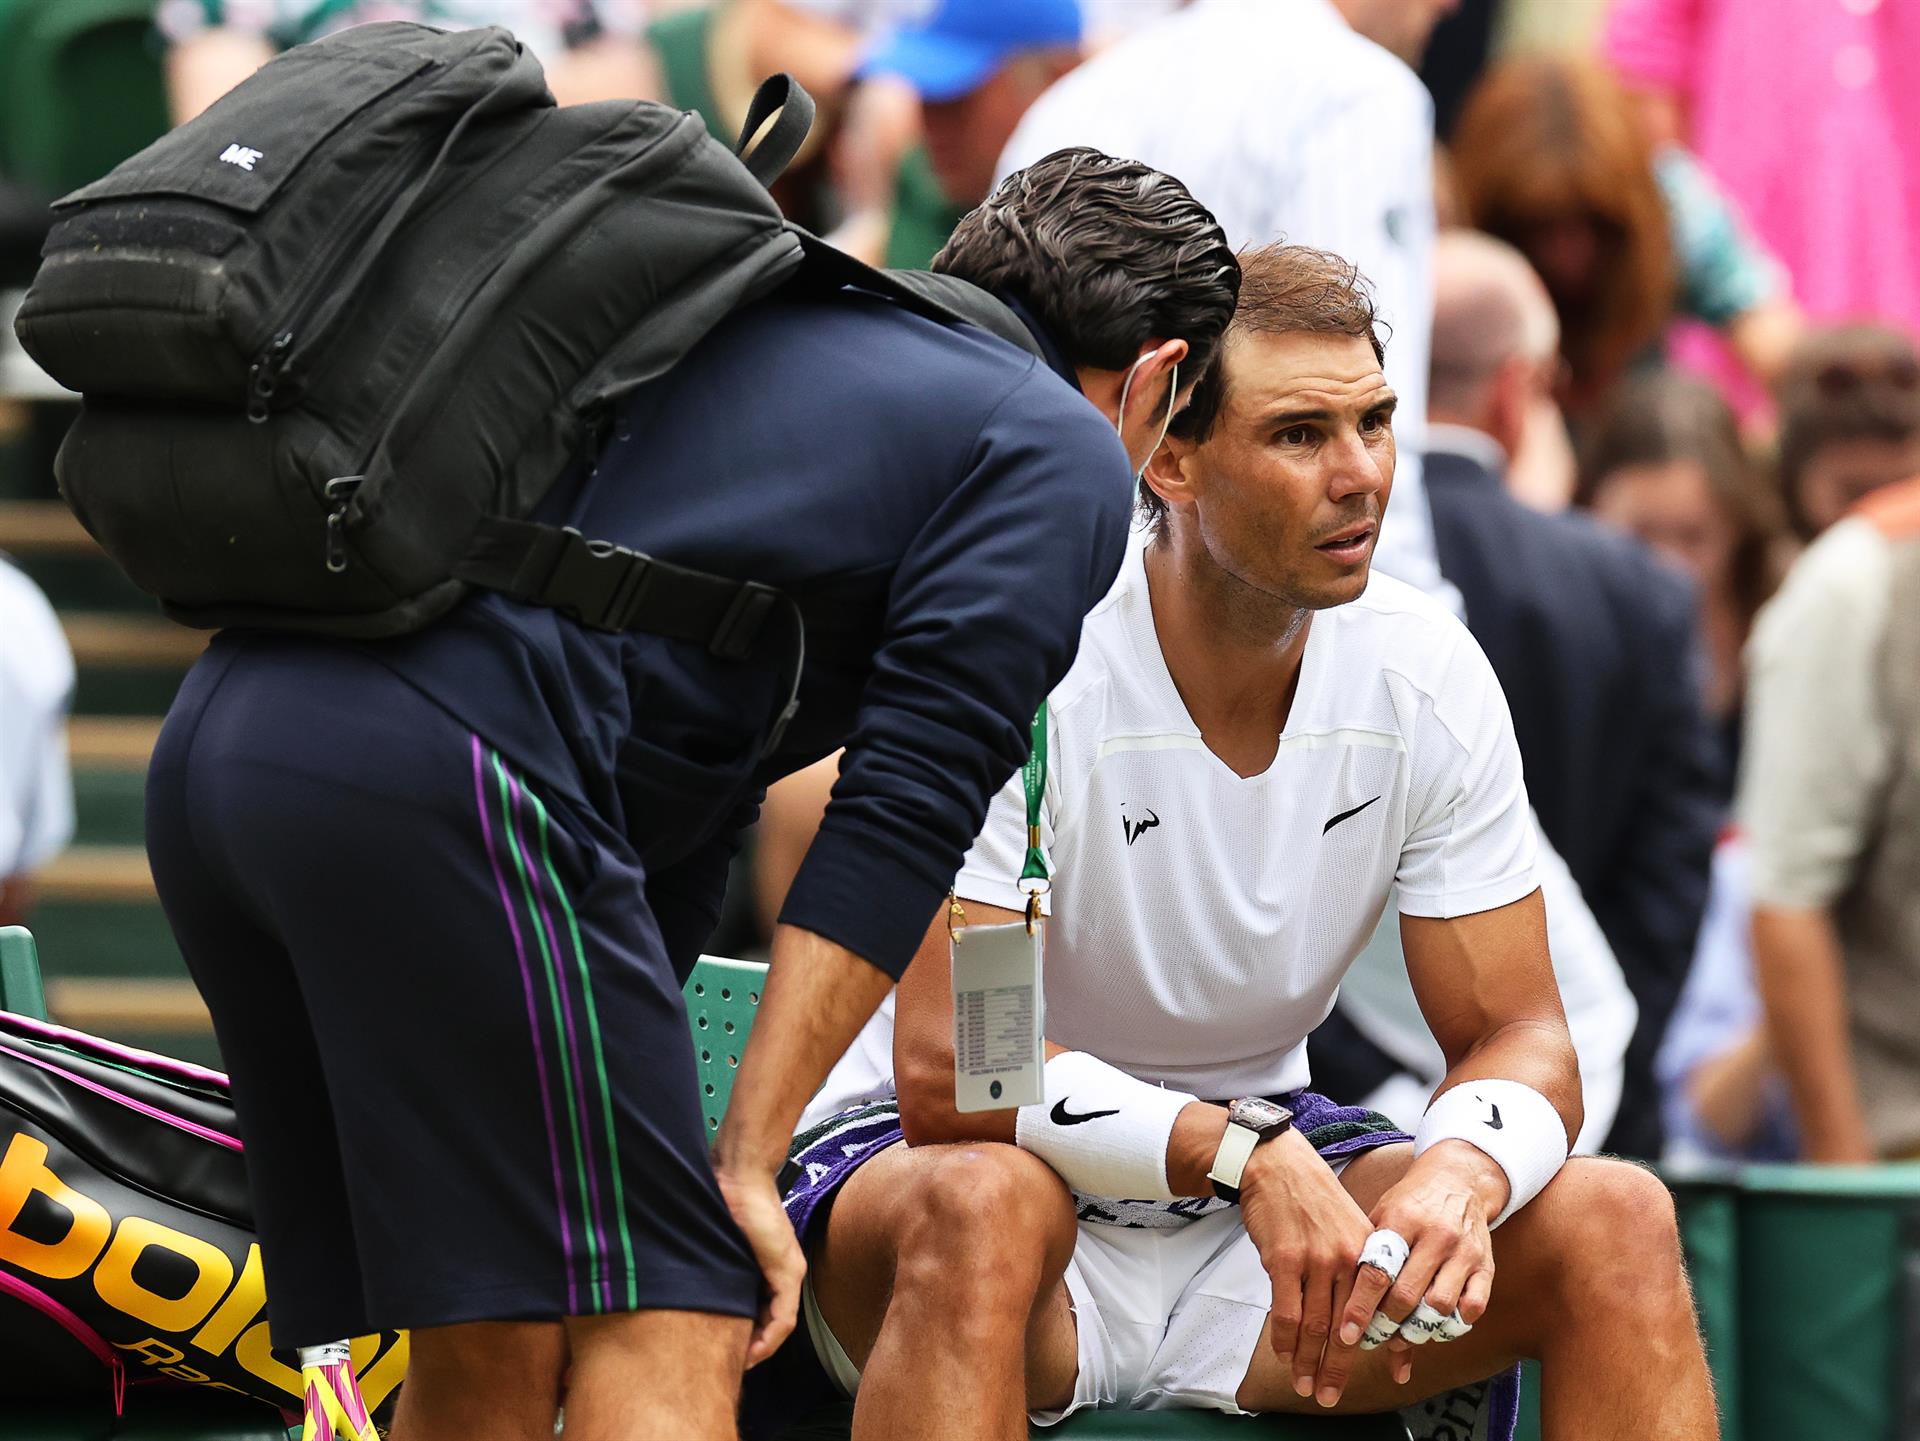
x: 1610, y: 1233
x: 988, y: 1225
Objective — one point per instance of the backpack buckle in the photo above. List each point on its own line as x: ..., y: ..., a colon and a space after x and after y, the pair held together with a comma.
x: 746, y: 615
x: 598, y: 583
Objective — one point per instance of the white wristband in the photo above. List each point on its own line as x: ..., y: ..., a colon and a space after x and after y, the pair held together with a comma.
x: 1514, y: 1124
x: 1103, y: 1131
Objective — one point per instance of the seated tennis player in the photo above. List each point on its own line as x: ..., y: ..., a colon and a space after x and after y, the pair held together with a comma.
x: 1255, y: 752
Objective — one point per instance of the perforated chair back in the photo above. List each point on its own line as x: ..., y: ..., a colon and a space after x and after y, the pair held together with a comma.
x: 723, y: 997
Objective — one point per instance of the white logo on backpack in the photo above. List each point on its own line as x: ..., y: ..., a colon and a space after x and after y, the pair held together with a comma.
x: 242, y: 156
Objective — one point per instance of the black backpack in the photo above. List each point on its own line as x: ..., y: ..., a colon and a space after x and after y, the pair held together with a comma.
x: 339, y: 336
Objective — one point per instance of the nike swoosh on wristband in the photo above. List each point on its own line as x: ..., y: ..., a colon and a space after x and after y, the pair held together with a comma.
x: 1494, y: 1124
x: 1061, y: 1116
x: 1346, y: 815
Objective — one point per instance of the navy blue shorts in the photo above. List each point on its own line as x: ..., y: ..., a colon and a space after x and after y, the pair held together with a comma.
x: 459, y: 1051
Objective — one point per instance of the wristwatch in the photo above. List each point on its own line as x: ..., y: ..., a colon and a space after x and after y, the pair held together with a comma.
x: 1250, y: 1120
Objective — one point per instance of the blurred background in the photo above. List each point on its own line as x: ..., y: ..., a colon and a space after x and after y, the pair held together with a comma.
x: 1661, y: 276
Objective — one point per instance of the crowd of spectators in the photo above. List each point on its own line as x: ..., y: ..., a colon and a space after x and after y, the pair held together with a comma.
x: 1651, y: 297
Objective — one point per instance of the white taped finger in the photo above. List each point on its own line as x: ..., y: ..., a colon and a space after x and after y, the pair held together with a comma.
x: 1423, y: 1325
x: 1379, y: 1331
x: 1451, y: 1328
x: 1386, y: 1251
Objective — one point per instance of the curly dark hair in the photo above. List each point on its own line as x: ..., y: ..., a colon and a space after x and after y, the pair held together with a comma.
x: 1105, y: 253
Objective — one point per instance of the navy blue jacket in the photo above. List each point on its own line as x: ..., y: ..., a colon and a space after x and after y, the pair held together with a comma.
x: 957, y: 494
x: 1594, y: 644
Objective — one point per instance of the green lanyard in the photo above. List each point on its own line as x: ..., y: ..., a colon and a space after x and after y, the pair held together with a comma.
x: 1033, y: 876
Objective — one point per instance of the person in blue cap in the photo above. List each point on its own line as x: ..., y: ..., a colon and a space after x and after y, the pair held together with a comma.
x: 976, y: 66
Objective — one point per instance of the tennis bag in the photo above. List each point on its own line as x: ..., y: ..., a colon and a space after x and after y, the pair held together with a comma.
x: 127, y: 1254
x: 338, y: 336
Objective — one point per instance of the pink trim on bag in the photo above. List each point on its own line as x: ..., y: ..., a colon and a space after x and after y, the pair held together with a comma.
x: 80, y: 1040
x: 179, y: 1123
x: 80, y: 1331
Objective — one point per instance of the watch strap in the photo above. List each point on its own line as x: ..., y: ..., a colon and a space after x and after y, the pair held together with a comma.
x: 1230, y: 1161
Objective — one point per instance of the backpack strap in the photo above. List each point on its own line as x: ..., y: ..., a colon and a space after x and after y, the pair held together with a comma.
x: 783, y: 96
x: 609, y: 587
x: 945, y: 298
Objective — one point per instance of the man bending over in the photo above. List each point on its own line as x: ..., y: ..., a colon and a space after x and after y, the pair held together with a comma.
x: 1254, y: 749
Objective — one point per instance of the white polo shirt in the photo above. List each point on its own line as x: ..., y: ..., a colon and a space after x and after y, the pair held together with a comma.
x: 1201, y: 921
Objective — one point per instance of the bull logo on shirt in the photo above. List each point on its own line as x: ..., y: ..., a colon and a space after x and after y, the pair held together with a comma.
x: 1135, y: 826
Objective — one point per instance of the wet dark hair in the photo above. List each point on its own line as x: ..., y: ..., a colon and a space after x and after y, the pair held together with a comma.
x: 1283, y: 289
x: 1105, y: 253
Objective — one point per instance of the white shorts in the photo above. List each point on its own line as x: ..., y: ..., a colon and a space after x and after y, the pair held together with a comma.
x: 1165, y: 1319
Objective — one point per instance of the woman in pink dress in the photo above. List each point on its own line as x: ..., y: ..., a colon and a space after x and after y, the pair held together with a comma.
x: 1808, y: 113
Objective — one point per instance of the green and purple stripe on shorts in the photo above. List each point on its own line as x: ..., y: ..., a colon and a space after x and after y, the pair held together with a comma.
x: 569, y: 1052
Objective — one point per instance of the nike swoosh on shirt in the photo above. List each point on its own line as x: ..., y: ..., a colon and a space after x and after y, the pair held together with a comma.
x: 1061, y: 1116
x: 1346, y: 815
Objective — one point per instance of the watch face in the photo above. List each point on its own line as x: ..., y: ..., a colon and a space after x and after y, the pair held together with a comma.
x: 1258, y: 1115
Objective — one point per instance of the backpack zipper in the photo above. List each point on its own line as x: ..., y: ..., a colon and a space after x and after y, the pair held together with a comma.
x: 312, y: 285
x: 664, y: 150
x: 340, y: 493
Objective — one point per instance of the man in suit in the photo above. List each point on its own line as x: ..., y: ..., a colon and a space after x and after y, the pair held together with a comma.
x: 1592, y: 640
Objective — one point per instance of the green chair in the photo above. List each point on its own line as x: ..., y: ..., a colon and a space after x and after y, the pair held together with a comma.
x: 20, y: 989
x: 722, y: 997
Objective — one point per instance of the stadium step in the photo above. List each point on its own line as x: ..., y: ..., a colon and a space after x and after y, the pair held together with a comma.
x: 45, y: 540
x: 113, y: 968
x: 123, y: 641
x: 112, y: 743
x: 110, y: 755
x: 115, y: 875
x: 131, y: 657
x: 119, y: 1008
x: 42, y: 527
x: 129, y: 665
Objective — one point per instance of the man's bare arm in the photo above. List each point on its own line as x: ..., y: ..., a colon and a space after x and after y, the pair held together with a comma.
x: 1485, y: 985
x: 817, y: 997
x: 1797, y: 963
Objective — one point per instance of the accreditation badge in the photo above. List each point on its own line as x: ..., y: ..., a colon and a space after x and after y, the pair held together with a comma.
x: 997, y: 1016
